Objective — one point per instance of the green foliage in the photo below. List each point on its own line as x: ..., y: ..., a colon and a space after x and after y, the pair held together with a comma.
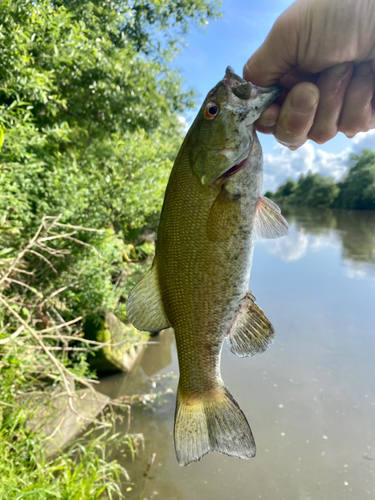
x: 312, y: 190
x: 356, y: 191
x: 284, y: 191
x: 86, y: 94
x: 83, y: 472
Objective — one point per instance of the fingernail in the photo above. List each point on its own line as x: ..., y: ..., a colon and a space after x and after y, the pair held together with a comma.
x: 304, y: 101
x: 291, y: 145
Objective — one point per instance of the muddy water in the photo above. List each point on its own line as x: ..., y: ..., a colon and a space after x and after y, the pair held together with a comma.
x: 310, y: 399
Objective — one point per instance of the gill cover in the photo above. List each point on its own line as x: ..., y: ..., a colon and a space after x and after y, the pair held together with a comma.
x: 218, y: 143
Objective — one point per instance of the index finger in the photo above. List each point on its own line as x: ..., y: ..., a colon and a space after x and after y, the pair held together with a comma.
x: 276, y: 56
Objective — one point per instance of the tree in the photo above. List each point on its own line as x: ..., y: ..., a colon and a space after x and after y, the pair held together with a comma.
x: 358, y: 188
x: 311, y: 190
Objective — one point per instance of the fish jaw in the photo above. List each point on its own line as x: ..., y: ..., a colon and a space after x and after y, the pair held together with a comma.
x: 251, y: 109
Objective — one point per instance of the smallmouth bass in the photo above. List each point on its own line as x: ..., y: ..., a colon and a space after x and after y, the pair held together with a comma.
x: 198, y: 282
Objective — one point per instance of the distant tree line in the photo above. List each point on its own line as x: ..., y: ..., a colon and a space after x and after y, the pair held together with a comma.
x: 355, y: 191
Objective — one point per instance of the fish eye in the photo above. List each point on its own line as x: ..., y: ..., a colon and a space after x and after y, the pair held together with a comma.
x: 211, y: 111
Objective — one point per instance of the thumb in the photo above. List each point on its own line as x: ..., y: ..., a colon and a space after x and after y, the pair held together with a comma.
x: 277, y: 55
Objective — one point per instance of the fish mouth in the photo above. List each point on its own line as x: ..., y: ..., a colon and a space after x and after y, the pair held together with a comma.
x: 232, y: 79
x: 233, y: 170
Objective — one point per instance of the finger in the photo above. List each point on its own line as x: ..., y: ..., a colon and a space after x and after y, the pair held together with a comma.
x: 297, y: 115
x: 267, y: 121
x: 295, y: 76
x: 372, y: 120
x: 356, y: 114
x: 277, y: 55
x: 332, y: 85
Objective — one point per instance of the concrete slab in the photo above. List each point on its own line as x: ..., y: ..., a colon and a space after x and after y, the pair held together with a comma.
x: 57, y: 423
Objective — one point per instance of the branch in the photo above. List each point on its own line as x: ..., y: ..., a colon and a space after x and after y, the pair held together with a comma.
x: 11, y: 280
x: 57, y: 236
x: 84, y: 244
x: 13, y: 336
x: 56, y: 292
x: 21, y: 254
x: 80, y: 227
x: 60, y: 367
x: 45, y: 260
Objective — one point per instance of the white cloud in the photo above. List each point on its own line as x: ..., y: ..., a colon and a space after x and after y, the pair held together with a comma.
x: 284, y: 164
x: 184, y: 125
x: 298, y: 243
x: 363, y: 140
x: 329, y: 238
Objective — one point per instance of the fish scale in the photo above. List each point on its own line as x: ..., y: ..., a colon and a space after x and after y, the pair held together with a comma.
x: 198, y: 283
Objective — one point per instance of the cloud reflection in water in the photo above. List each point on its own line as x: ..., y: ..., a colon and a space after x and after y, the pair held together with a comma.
x: 352, y: 234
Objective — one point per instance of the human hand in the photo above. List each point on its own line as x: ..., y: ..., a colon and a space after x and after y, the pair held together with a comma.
x: 323, y: 53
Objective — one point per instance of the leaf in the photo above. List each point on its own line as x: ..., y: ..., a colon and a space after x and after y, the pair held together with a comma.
x: 25, y: 312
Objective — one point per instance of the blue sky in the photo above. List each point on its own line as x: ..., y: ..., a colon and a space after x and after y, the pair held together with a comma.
x: 230, y: 41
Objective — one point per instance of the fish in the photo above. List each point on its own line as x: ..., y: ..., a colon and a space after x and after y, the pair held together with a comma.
x: 198, y: 282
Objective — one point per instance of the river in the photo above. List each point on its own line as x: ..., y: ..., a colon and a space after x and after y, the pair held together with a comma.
x: 310, y: 399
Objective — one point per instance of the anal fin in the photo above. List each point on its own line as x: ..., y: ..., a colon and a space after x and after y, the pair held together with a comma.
x: 251, y: 331
x: 144, y: 306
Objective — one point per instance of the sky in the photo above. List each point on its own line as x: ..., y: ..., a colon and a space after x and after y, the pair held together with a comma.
x: 231, y: 40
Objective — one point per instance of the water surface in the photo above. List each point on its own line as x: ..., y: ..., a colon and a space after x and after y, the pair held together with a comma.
x: 310, y: 399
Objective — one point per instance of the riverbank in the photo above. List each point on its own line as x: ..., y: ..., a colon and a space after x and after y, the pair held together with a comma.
x: 47, y: 383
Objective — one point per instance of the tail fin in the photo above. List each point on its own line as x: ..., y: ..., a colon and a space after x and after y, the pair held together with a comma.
x: 211, y: 423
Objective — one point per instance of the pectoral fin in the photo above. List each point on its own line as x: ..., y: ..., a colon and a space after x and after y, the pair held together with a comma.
x: 224, y: 217
x: 269, y: 223
x: 251, y: 331
x: 144, y: 307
